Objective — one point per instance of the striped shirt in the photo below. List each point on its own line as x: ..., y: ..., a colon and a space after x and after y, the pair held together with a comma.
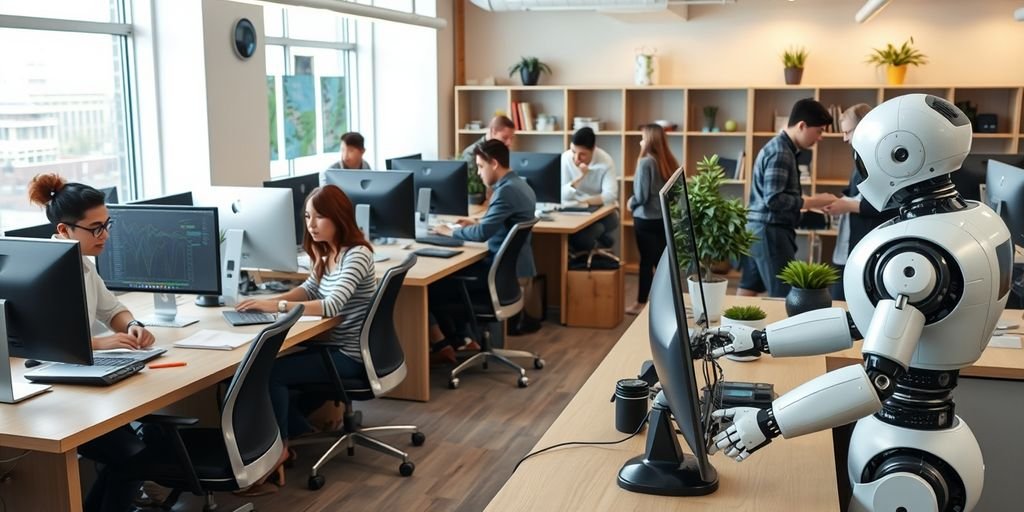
x: 346, y: 292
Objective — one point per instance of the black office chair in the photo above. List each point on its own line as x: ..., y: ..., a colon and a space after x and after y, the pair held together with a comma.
x: 385, y: 369
x: 503, y: 300
x: 244, y: 449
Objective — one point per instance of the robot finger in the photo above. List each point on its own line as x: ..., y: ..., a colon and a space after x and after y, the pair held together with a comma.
x: 721, y: 351
x: 724, y: 414
x: 742, y: 456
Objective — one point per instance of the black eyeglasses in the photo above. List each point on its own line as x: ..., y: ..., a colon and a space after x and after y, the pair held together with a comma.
x: 96, y: 231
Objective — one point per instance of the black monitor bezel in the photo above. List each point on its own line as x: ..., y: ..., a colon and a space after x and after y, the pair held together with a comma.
x: 546, y: 187
x: 454, y: 188
x: 400, y: 208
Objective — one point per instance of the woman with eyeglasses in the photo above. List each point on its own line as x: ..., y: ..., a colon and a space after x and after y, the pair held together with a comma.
x: 78, y: 213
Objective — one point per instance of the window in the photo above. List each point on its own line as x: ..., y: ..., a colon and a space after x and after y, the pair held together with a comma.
x: 313, y: 43
x: 64, y: 104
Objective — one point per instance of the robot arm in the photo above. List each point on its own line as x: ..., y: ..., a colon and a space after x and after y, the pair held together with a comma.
x: 815, y: 332
x: 836, y: 398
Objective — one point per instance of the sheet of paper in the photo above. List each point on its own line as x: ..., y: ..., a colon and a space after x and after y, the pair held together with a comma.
x: 1004, y: 341
x: 214, y: 339
x: 308, y: 318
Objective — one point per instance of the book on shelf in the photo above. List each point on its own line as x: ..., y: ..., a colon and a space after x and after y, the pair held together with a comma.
x: 526, y: 113
x: 740, y: 171
x: 728, y: 167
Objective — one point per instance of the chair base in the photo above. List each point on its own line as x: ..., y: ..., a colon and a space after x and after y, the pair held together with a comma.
x: 499, y: 355
x: 348, y: 439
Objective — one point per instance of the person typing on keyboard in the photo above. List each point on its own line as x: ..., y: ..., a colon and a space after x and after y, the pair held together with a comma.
x: 512, y: 202
x: 341, y: 283
x: 77, y: 212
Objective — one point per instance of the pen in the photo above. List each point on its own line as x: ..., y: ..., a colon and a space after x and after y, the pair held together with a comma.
x: 167, y: 365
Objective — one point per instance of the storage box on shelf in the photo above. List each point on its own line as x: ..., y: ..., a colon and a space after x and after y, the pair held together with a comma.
x: 623, y: 109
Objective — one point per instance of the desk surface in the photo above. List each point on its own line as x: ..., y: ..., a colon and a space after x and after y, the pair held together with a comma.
x: 786, y: 472
x: 569, y: 223
x: 68, y: 416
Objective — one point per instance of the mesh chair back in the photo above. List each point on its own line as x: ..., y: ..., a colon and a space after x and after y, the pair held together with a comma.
x: 250, y: 428
x: 502, y: 280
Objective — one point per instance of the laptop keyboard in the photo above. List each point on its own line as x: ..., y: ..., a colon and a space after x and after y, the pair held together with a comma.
x: 444, y: 241
x: 249, y: 317
x: 108, y: 361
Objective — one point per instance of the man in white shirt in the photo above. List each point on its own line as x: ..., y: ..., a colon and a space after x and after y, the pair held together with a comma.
x: 589, y: 177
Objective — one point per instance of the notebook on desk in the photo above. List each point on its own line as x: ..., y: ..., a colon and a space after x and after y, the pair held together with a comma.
x: 214, y: 340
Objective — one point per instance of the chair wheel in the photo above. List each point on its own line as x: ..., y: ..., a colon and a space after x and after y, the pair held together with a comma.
x: 523, y: 382
x: 315, y: 482
x: 538, y: 363
x: 453, y: 383
x: 406, y: 468
x: 418, y: 438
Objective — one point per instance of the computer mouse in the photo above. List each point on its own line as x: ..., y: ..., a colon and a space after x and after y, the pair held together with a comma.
x: 29, y: 363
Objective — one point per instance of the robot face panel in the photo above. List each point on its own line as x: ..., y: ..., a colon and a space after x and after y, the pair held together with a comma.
x: 907, y: 140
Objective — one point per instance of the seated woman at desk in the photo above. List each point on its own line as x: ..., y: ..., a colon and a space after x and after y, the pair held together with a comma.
x: 78, y: 213
x: 341, y: 283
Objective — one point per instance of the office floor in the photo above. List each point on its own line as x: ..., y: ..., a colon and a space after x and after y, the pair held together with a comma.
x: 475, y: 434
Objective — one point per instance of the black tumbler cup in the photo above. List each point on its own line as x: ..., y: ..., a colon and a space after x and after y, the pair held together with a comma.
x: 631, y: 397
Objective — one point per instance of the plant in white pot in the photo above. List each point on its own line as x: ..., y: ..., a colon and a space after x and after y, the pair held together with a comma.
x: 750, y: 316
x: 720, y: 230
x: 809, y: 284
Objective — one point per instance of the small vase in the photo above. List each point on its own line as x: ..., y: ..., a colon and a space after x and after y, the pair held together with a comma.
x: 894, y: 75
x: 529, y: 77
x: 801, y: 300
x: 794, y: 75
x: 709, y: 123
x: 643, y: 73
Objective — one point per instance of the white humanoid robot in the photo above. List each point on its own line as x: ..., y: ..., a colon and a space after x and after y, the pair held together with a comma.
x: 926, y: 290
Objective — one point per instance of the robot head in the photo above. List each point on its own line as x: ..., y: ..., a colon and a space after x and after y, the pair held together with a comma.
x: 907, y: 140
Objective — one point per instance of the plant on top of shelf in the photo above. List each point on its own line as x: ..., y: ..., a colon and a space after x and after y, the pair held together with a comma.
x: 897, y: 59
x: 719, y: 227
x: 809, y: 282
x: 793, y: 60
x: 529, y: 69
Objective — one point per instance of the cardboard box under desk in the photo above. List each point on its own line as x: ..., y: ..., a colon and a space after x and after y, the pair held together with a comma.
x: 595, y: 298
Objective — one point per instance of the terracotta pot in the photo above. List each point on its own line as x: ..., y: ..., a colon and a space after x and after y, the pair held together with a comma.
x: 794, y: 75
x: 895, y: 75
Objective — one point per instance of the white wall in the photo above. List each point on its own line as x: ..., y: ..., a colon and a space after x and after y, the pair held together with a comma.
x: 236, y: 98
x: 968, y: 42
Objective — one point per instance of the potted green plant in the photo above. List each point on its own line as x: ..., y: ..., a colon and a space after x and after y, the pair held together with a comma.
x: 475, y: 187
x: 720, y: 228
x: 750, y: 316
x: 793, y: 59
x: 897, y: 60
x: 710, y: 112
x: 809, y: 284
x: 529, y: 69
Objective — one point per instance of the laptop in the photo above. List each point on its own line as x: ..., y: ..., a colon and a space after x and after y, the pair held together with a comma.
x: 108, y: 367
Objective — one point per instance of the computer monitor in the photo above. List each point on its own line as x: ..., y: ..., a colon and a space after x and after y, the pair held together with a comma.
x: 1004, y: 185
x: 47, y: 326
x: 182, y: 199
x: 971, y: 176
x: 665, y: 469
x: 110, y: 194
x: 440, y: 185
x: 300, y: 186
x: 542, y: 171
x: 164, y: 250
x: 41, y: 231
x: 389, y: 162
x: 259, y: 232
x: 383, y: 200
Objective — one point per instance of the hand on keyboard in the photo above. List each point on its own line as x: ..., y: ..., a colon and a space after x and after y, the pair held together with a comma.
x: 257, y: 305
x: 116, y: 340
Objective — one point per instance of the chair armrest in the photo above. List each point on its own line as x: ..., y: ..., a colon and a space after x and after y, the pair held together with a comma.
x: 166, y: 419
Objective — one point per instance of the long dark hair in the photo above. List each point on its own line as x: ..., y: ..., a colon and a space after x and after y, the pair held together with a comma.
x: 64, y: 202
x: 329, y: 201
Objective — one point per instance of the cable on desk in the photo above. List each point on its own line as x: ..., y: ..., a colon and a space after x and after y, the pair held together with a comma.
x: 584, y: 443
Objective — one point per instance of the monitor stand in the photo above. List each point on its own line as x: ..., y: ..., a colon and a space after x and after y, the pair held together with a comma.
x: 10, y: 391
x: 664, y: 469
x: 165, y: 312
x: 423, y: 217
x: 363, y: 223
x: 231, y: 268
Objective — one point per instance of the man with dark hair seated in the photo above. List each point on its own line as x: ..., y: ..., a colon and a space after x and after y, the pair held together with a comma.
x: 353, y: 148
x: 589, y: 177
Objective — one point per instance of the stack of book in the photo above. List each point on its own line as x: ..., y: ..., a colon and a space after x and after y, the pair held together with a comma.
x: 522, y: 115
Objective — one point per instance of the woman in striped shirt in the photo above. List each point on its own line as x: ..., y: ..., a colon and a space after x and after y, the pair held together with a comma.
x: 342, y: 283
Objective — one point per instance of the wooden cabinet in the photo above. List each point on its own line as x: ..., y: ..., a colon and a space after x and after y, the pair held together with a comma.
x: 755, y: 111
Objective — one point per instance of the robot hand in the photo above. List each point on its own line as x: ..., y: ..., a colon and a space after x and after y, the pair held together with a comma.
x: 745, y: 435
x: 734, y: 339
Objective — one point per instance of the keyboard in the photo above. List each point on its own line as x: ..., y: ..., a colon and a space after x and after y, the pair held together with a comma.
x: 104, y: 372
x: 240, y: 318
x: 580, y: 209
x: 432, y: 252
x: 143, y: 355
x: 443, y: 241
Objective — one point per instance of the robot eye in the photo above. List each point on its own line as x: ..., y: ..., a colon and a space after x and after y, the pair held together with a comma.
x: 900, y: 154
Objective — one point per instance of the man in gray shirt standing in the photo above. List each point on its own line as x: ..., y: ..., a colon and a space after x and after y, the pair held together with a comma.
x: 589, y: 177
x: 776, y: 199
